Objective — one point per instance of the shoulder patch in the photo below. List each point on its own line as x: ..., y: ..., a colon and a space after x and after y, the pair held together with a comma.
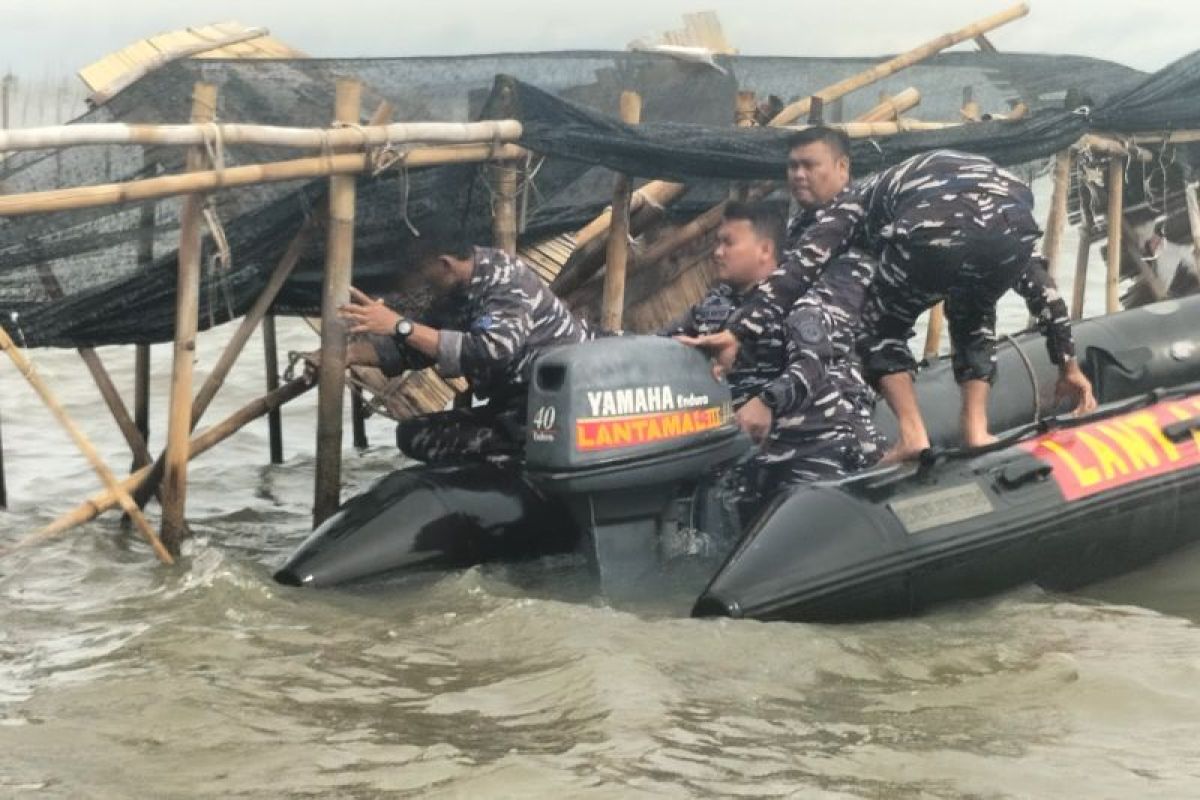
x: 810, y: 329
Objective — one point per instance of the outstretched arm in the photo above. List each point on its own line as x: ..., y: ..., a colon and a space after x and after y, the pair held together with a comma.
x: 1049, y: 311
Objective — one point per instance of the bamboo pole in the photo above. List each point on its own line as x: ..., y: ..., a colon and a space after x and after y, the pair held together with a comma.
x: 504, y: 206
x: 141, y: 393
x: 108, y: 390
x: 1145, y: 272
x: 339, y: 260
x: 1116, y: 215
x: 13, y: 205
x: 706, y: 221
x: 656, y: 194
x: 1158, y: 138
x: 204, y: 441
x: 257, y: 311
x: 1112, y: 146
x: 880, y: 71
x: 668, y: 192
x: 274, y: 419
x: 1083, y: 253
x: 141, y: 359
x: 1193, y: 209
x: 101, y: 96
x: 120, y: 495
x: 187, y: 307
x: 613, y: 308
x: 226, y: 134
x: 1082, y: 256
x: 504, y: 186
x: 1056, y: 219
x: 237, y: 342
x: 746, y: 110
x: 358, y: 418
x: 890, y: 108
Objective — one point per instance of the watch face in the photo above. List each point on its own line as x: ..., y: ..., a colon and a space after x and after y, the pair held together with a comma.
x: 404, y: 328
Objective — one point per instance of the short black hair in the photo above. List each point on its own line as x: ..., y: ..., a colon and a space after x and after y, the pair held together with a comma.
x: 835, y: 138
x: 765, y: 218
x: 437, y: 238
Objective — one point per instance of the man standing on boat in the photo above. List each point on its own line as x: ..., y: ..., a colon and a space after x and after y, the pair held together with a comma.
x: 791, y: 387
x: 491, y: 317
x: 945, y: 225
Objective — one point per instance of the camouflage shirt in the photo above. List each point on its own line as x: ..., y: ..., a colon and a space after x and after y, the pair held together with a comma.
x: 491, y: 331
x: 934, y: 191
x: 758, y: 364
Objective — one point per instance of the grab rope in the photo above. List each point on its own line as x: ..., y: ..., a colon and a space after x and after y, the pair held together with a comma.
x: 1032, y: 373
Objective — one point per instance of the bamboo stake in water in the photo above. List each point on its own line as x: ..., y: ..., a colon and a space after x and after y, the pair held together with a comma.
x: 89, y: 451
x: 187, y: 309
x: 1116, y: 214
x: 612, y: 313
x: 339, y: 260
x: 204, y: 441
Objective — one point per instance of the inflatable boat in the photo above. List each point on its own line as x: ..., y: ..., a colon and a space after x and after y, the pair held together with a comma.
x: 628, y: 440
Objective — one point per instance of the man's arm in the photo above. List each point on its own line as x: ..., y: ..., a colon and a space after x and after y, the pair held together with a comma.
x: 1050, y: 311
x: 809, y: 348
x: 493, y: 340
x: 382, y: 348
x: 1048, y: 308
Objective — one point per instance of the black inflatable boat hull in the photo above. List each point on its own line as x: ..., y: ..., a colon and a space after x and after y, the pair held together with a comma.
x: 1062, y: 509
x: 429, y: 518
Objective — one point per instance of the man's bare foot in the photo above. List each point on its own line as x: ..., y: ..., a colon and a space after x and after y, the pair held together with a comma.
x: 980, y: 440
x: 901, y: 452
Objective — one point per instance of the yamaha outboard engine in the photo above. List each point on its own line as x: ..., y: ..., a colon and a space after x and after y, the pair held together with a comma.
x: 617, y: 428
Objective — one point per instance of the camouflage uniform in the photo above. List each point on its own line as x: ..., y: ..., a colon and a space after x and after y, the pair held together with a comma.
x: 813, y: 435
x: 843, y: 288
x: 945, y: 225
x: 490, y: 333
x: 762, y: 360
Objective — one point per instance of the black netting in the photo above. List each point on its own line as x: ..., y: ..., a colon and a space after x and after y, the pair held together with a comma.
x: 115, y: 290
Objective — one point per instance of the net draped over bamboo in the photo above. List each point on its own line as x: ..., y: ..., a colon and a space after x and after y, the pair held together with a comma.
x: 567, y: 104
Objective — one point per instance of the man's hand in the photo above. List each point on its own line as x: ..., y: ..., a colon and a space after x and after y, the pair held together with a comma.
x: 755, y: 419
x: 368, y: 315
x: 1073, y: 384
x: 721, y: 347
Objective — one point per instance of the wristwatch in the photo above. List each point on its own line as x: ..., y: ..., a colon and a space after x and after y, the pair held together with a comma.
x: 404, y: 328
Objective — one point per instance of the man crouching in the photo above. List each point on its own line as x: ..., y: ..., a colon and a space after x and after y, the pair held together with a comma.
x: 491, y: 317
x: 791, y: 387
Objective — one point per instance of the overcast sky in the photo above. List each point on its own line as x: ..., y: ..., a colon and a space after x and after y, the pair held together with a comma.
x: 60, y: 36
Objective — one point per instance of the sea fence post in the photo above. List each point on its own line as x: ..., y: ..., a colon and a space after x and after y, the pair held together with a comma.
x: 187, y: 299
x: 612, y: 316
x: 1116, y: 211
x: 339, y: 261
x: 274, y: 417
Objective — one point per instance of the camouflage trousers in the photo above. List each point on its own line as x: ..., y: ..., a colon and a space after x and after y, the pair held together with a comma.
x: 749, y: 485
x: 460, y: 434
x: 970, y: 267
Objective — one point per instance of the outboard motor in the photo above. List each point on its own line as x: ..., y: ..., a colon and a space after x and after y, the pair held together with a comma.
x: 617, y: 427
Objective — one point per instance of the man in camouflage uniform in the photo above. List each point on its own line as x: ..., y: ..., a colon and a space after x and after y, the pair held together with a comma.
x: 842, y: 291
x: 790, y: 388
x: 945, y: 225
x: 492, y: 317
